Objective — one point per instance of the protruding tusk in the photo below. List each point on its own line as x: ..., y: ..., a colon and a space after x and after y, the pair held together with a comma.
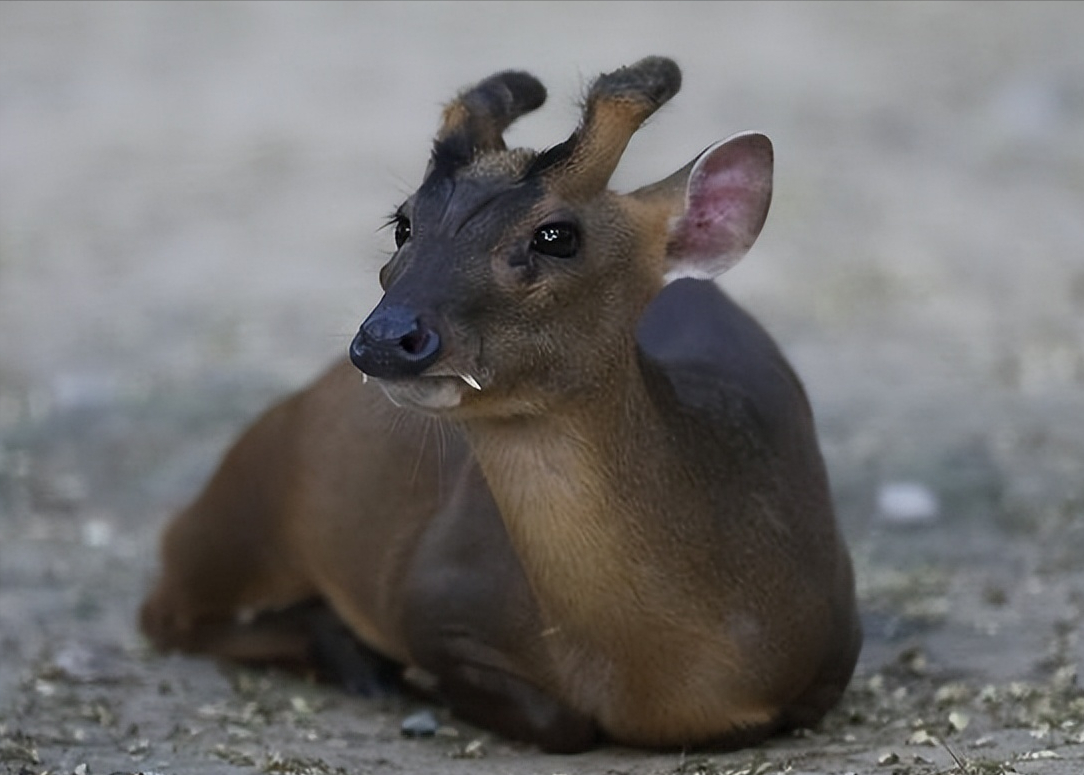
x: 364, y: 377
x: 470, y: 381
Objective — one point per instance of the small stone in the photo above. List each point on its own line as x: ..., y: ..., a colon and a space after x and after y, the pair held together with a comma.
x: 914, y: 661
x: 139, y: 747
x: 97, y: 533
x: 420, y: 724
x: 472, y: 750
x: 951, y: 693
x: 1044, y: 754
x: 886, y: 759
x: 907, y: 504
x: 922, y: 737
x: 44, y: 688
x: 87, y: 663
x: 958, y: 721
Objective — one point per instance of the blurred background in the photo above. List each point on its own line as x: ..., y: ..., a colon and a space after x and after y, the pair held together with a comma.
x: 190, y: 202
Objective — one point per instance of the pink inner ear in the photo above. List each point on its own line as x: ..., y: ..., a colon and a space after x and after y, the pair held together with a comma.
x: 726, y: 202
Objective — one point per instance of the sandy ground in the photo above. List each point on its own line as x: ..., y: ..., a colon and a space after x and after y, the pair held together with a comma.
x: 190, y: 195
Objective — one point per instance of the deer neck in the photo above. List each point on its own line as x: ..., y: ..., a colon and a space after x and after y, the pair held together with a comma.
x: 585, y: 493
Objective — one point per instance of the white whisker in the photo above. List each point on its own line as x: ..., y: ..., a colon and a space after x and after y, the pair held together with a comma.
x: 421, y: 450
x: 392, y: 398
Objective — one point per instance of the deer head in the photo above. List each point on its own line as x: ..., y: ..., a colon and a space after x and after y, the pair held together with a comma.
x: 518, y: 277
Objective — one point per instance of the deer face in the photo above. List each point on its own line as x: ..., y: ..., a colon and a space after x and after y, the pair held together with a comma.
x: 503, y: 295
x: 518, y: 277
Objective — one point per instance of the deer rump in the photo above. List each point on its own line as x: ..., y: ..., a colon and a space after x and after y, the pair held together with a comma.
x: 582, y: 490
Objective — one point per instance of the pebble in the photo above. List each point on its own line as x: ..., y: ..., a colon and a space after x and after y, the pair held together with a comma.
x: 97, y: 533
x: 88, y: 663
x: 420, y: 724
x: 907, y: 504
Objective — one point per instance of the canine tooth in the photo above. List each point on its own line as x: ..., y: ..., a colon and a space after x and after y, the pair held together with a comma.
x: 470, y: 381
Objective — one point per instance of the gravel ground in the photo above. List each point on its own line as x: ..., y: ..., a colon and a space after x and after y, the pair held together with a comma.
x: 189, y: 202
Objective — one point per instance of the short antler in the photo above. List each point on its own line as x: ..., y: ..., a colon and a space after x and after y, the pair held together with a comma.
x: 475, y: 120
x: 617, y: 104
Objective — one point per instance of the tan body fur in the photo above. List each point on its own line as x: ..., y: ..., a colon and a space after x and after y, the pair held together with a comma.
x: 641, y: 548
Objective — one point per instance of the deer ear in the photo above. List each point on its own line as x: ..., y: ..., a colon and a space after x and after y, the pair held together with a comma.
x: 727, y: 194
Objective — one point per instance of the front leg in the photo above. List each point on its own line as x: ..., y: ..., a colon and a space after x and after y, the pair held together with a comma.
x: 471, y: 621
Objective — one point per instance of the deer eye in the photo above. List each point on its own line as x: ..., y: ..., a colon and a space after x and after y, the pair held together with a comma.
x: 402, y: 230
x: 559, y: 240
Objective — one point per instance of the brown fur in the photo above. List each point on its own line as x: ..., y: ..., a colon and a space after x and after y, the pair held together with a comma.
x: 626, y: 528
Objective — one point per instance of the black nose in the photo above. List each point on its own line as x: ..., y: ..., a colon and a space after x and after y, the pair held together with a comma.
x: 393, y: 343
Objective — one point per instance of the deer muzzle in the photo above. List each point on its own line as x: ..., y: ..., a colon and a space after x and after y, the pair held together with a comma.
x: 394, y: 342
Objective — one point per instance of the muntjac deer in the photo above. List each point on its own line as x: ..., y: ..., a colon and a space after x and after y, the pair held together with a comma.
x: 581, y: 489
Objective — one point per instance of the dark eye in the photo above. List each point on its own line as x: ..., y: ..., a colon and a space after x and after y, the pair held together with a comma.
x: 559, y: 240
x: 402, y: 230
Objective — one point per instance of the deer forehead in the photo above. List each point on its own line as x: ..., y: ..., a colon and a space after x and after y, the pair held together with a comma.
x: 512, y: 164
x: 498, y: 196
